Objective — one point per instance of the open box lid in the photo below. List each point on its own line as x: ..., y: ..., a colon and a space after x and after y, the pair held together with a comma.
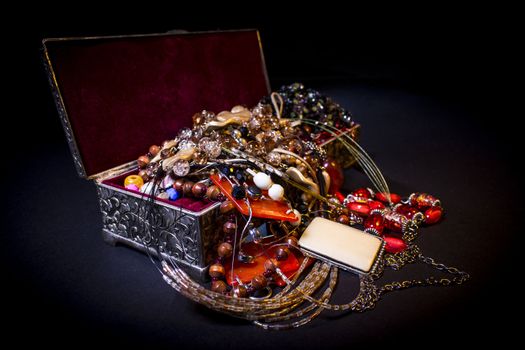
x: 118, y: 95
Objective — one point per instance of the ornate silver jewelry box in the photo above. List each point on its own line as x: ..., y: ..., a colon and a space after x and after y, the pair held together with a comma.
x: 186, y: 236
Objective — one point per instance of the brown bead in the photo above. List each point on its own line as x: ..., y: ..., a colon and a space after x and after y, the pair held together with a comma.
x: 219, y: 286
x: 239, y: 291
x: 199, y: 190
x: 259, y: 282
x: 216, y: 270
x: 343, y: 219
x: 271, y: 265
x: 225, y: 250
x: 229, y: 227
x: 292, y: 241
x: 213, y: 192
x: 154, y: 150
x: 144, y: 175
x: 143, y: 161
x: 187, y: 187
x: 282, y: 253
x: 179, y: 185
x: 226, y: 207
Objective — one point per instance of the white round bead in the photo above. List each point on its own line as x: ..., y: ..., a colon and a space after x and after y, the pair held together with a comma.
x: 262, y: 181
x: 276, y: 192
x: 298, y: 221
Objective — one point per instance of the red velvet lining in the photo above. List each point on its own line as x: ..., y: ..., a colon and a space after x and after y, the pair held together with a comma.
x: 124, y: 94
x: 189, y: 203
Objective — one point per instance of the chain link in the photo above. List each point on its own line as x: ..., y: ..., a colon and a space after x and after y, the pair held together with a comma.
x: 397, y: 261
x: 409, y: 256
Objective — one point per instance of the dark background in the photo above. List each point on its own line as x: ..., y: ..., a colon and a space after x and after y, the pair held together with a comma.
x: 433, y: 96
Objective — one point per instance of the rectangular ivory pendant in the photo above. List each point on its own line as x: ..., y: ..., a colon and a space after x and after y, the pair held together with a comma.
x: 341, y: 245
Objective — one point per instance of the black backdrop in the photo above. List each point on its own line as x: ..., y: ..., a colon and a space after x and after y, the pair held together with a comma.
x: 430, y: 93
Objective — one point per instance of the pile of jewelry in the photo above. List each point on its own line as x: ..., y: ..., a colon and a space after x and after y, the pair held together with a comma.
x: 270, y: 168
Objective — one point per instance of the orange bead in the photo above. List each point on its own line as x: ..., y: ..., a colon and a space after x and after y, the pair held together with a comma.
x: 219, y: 286
x: 134, y: 180
x: 154, y: 150
x: 213, y: 192
x: 143, y: 161
x: 216, y: 270
x: 225, y: 250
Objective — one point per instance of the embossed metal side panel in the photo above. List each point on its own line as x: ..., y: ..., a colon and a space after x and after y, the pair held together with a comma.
x: 188, y: 238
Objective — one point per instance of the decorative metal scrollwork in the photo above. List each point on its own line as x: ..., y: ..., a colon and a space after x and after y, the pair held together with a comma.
x: 169, y: 230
